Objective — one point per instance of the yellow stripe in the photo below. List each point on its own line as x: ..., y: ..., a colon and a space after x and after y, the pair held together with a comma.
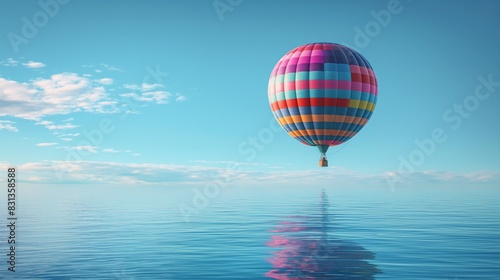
x: 321, y: 118
x: 365, y: 105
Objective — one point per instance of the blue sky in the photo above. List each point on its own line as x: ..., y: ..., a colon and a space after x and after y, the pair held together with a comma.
x: 161, y: 92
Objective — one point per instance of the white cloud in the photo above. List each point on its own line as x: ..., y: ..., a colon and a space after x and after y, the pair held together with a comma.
x: 180, y: 98
x: 92, y: 149
x: 131, y: 86
x: 34, y: 64
x: 8, y: 125
x: 67, y: 93
x: 60, y: 94
x: 70, y: 135
x: 432, y: 176
x: 61, y: 126
x: 143, y: 87
x: 116, y: 173
x: 110, y: 67
x: 147, y: 93
x: 110, y: 151
x: 45, y: 123
x: 108, y: 103
x: 51, y: 126
x: 158, y: 97
x: 46, y: 144
x: 105, y: 81
x: 174, y: 175
x: 87, y: 148
x: 149, y: 87
x: 66, y: 139
x: 10, y: 62
x: 102, y: 66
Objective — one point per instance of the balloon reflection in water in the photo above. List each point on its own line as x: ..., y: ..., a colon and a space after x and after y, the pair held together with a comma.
x: 307, y: 252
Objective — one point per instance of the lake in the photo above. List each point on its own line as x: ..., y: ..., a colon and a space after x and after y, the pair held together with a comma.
x: 310, y: 232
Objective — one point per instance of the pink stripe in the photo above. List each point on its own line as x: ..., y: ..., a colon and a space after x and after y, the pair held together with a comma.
x: 356, y: 86
x: 366, y: 87
x: 296, y: 54
x: 303, y: 53
x: 293, y: 61
x: 280, y: 87
x: 304, y: 59
x: 317, y: 52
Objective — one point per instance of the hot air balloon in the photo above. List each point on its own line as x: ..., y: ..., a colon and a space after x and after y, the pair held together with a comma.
x: 322, y: 94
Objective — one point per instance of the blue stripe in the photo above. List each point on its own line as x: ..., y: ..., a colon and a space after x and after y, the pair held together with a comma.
x: 310, y: 142
x: 365, y: 96
x: 316, y: 138
x: 328, y: 93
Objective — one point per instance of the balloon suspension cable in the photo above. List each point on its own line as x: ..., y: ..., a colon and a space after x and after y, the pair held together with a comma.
x: 323, y: 161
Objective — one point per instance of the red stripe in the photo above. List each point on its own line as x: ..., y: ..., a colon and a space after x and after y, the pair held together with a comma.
x: 309, y: 102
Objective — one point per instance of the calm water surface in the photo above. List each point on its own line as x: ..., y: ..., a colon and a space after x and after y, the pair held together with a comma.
x: 88, y: 232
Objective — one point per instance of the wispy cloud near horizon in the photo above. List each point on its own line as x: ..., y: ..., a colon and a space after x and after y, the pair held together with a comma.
x: 49, y: 172
x: 46, y: 144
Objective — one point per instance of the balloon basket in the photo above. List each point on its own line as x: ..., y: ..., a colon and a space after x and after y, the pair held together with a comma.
x: 323, y: 162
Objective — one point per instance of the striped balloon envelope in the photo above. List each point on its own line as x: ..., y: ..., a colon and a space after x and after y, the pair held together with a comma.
x: 322, y: 94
